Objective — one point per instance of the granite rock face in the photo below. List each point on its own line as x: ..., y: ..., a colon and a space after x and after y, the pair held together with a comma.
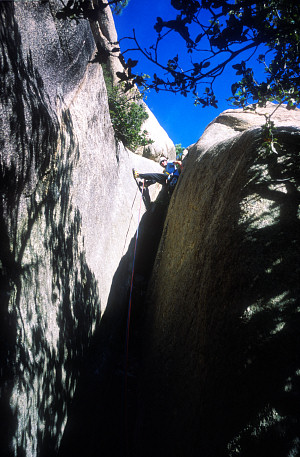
x: 162, y: 145
x: 220, y: 337
x: 69, y: 209
x: 231, y: 122
x: 105, y: 34
x: 221, y: 334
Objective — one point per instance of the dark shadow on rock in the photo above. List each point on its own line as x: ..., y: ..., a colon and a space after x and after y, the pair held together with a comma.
x: 97, y: 423
x: 240, y: 394
x: 8, y: 273
x: 35, y: 181
x: 260, y: 394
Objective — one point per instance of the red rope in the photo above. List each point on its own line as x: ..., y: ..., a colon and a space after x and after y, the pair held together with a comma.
x: 128, y: 323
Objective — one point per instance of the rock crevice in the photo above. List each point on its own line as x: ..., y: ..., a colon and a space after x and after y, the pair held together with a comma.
x: 69, y: 210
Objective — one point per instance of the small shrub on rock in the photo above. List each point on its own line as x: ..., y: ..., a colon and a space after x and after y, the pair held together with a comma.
x: 127, y: 116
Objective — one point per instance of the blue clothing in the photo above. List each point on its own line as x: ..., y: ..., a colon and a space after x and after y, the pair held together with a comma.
x: 170, y: 168
x: 173, y: 175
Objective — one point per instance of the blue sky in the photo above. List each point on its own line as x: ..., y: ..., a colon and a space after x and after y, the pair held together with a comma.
x: 183, y: 122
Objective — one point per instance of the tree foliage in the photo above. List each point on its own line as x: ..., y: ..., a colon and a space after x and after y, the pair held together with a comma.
x: 127, y: 117
x: 179, y: 151
x: 236, y: 34
x: 118, y: 6
x: 217, y: 34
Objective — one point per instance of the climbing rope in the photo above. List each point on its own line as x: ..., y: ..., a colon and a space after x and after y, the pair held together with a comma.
x: 129, y: 222
x: 128, y: 322
x: 131, y: 283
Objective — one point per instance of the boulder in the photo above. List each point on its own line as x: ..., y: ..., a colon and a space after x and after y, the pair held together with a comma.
x: 162, y: 145
x: 232, y: 121
x: 220, y: 336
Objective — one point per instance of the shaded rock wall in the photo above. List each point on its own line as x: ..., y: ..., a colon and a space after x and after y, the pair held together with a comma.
x: 221, y: 335
x: 106, y: 393
x: 69, y: 209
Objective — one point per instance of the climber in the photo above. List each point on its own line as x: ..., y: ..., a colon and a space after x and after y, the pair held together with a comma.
x: 169, y: 176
